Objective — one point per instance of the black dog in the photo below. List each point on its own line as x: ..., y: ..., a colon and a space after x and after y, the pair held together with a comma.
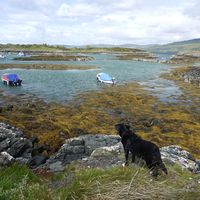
x: 140, y: 148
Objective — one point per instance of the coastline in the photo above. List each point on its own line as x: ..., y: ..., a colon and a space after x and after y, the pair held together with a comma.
x: 80, y: 116
x: 130, y: 104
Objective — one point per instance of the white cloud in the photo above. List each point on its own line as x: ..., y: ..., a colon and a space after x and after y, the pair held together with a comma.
x: 77, y: 10
x: 87, y: 21
x: 194, y: 10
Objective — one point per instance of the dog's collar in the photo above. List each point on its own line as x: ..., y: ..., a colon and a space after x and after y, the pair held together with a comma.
x: 123, y: 135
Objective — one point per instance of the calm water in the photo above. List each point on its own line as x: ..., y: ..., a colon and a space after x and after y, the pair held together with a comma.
x: 61, y: 85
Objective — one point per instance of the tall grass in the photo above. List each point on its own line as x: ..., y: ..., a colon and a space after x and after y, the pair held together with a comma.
x: 19, y: 182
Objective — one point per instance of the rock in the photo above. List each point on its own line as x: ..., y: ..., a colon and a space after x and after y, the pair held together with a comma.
x: 117, y: 150
x: 175, y: 154
x: 6, y: 160
x: 100, y: 161
x: 20, y: 147
x: 94, y: 141
x: 9, y: 107
x: 37, y: 160
x: 79, y: 148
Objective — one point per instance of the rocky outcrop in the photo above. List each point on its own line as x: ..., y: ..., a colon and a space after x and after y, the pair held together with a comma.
x: 55, y: 58
x: 90, y: 151
x: 19, y: 147
x: 191, y: 75
x: 139, y: 56
x: 184, y: 57
x: 78, y: 148
x: 146, y: 59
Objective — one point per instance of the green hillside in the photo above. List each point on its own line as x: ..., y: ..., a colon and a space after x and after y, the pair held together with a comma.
x: 193, y: 44
x: 175, y: 46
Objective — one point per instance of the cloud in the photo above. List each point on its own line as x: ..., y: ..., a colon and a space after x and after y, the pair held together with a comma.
x: 81, y: 22
x: 77, y: 10
x: 193, y: 11
x: 23, y: 5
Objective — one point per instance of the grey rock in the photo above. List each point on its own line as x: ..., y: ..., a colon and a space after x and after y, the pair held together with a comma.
x: 6, y: 160
x: 100, y: 161
x: 37, y: 160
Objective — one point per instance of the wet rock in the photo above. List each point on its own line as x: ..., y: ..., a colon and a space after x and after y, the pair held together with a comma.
x: 27, y: 111
x: 9, y: 107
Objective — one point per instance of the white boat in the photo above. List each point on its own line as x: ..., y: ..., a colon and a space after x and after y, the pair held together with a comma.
x: 105, y: 78
x: 2, y: 56
x: 21, y: 54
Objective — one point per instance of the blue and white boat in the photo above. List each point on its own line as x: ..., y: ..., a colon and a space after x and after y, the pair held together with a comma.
x: 105, y: 78
x: 11, y: 79
x: 2, y: 56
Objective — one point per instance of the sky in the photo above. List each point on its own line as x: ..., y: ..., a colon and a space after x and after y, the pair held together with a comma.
x: 85, y: 22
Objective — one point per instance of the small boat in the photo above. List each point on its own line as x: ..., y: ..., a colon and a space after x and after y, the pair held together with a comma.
x: 11, y: 79
x: 105, y: 78
x: 2, y: 56
x: 22, y: 54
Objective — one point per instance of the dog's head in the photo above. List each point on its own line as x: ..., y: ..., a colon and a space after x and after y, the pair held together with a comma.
x: 121, y: 128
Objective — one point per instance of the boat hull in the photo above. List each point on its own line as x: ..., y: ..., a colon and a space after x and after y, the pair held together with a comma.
x: 7, y: 81
x: 110, y: 81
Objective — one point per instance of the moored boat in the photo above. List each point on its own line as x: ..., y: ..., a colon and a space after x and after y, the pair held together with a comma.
x: 105, y: 78
x: 2, y: 56
x: 22, y: 54
x: 11, y: 79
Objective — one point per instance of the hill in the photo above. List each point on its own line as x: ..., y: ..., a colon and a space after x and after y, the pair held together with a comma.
x: 175, y: 46
x: 193, y: 44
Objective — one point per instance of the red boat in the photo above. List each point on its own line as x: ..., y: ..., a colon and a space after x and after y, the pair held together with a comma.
x: 11, y: 79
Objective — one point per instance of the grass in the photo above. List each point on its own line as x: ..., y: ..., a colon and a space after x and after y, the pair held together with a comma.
x: 47, y: 47
x: 18, y: 182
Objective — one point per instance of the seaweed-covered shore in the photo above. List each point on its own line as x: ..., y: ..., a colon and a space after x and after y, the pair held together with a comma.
x: 96, y: 112
x: 47, y: 66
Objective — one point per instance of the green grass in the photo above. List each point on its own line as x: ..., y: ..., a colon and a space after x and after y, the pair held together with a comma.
x: 46, y: 47
x: 18, y: 182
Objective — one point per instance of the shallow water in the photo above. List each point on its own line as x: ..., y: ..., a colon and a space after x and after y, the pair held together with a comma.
x: 60, y: 85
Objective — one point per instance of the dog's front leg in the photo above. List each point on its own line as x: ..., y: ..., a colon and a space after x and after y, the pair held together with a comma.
x: 126, y: 155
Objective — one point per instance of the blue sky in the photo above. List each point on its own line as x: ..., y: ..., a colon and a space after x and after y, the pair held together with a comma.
x: 84, y: 22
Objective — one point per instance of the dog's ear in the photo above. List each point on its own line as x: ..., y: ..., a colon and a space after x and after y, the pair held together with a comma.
x: 128, y: 127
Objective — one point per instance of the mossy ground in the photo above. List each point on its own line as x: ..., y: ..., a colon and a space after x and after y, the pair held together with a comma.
x: 96, y: 112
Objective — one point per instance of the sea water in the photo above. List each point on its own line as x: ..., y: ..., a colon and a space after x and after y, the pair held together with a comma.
x: 58, y: 85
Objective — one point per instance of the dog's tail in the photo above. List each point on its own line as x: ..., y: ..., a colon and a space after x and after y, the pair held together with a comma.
x: 162, y: 166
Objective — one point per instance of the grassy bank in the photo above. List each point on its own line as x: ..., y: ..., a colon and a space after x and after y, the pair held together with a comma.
x: 18, y: 182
